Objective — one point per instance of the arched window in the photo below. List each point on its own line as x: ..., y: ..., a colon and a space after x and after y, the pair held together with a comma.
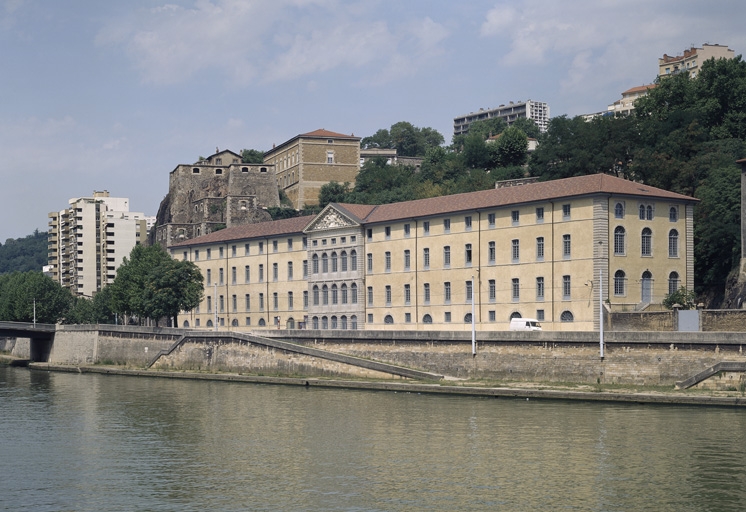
x: 619, y: 246
x: 566, y: 316
x: 290, y: 323
x: 324, y: 263
x: 234, y: 322
x: 673, y: 244
x: 642, y: 212
x: 262, y: 322
x: 324, y: 322
x: 334, y: 322
x: 335, y: 267
x: 388, y: 319
x: 515, y: 314
x: 343, y: 322
x: 186, y: 323
x: 673, y: 214
x: 315, y: 295
x: 344, y: 293
x: 353, y: 322
x: 646, y: 242
x: 673, y: 282
x: 353, y: 293
x: 353, y: 260
x: 335, y: 294
x: 646, y: 284
x: 619, y: 211
x: 315, y: 322
x: 427, y: 319
x: 620, y: 279
x: 325, y: 295
x: 343, y: 262
x: 315, y: 263
x: 467, y: 318
x: 209, y: 323
x: 649, y: 213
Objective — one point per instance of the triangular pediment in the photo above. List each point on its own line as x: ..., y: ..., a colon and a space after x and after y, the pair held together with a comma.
x: 330, y: 218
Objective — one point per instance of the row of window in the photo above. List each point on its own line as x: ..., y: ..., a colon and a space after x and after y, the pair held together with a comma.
x: 247, y: 273
x: 565, y: 316
x: 247, y: 249
x: 339, y: 294
x: 646, y: 280
x: 646, y: 212
x: 247, y: 302
x: 339, y: 262
x: 646, y: 242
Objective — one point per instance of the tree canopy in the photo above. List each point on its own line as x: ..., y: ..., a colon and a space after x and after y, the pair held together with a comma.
x: 407, y: 139
x: 24, y: 254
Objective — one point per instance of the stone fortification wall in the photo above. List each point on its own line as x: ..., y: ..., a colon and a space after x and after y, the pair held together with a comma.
x: 641, y: 321
x: 730, y: 320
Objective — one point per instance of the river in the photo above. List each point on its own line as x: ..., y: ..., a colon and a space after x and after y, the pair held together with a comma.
x: 84, y: 442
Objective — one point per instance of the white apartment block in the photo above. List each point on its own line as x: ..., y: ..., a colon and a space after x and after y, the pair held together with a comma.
x: 89, y: 239
x: 536, y: 110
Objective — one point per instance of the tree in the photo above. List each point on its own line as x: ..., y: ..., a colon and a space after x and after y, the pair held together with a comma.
x: 252, y: 156
x: 333, y: 192
x: 511, y: 147
x: 407, y: 139
x: 20, y: 292
x: 527, y: 126
x: 24, y: 254
x: 476, y: 154
x: 172, y: 286
x: 683, y: 297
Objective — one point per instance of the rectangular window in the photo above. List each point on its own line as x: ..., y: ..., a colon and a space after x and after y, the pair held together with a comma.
x: 407, y: 318
x: 514, y: 217
x: 467, y: 223
x: 491, y: 219
x: 388, y: 295
x: 446, y: 225
x: 275, y: 301
x: 426, y: 227
x: 209, y: 276
x: 387, y: 230
x: 540, y: 214
x: 406, y: 230
x: 248, y: 320
x: 515, y: 251
x: 209, y: 254
x: 275, y: 246
x: 388, y: 261
x: 566, y: 246
x: 220, y: 252
x: 407, y: 259
x: 261, y: 302
x: 447, y: 317
x: 305, y: 242
x: 447, y: 292
x: 540, y: 248
x: 220, y: 273
x: 565, y: 211
x: 407, y: 294
x: 275, y: 272
x: 261, y: 247
x: 370, y: 318
x: 566, y: 287
x: 447, y: 256
x: 515, y: 289
x: 234, y: 303
x: 370, y: 295
x: 305, y: 269
x: 221, y: 301
x: 427, y: 293
x: 370, y: 262
x: 540, y: 315
x: 196, y: 255
x: 469, y: 290
x: 539, y: 288
x: 246, y: 249
x: 247, y: 302
x: 468, y: 255
x: 234, y: 275
x: 290, y: 300
x: 305, y: 299
x: 290, y: 244
x: 290, y: 270
x: 261, y: 273
x: 426, y: 258
x: 233, y: 251
x: 209, y: 304
x: 493, y: 290
x: 492, y: 316
x: 491, y: 253
x: 370, y: 234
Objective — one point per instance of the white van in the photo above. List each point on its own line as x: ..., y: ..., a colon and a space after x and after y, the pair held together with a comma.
x: 524, y: 324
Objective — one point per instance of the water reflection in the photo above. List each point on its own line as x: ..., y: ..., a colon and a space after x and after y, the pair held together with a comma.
x: 88, y: 442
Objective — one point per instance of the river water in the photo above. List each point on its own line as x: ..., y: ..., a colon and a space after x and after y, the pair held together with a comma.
x: 81, y: 442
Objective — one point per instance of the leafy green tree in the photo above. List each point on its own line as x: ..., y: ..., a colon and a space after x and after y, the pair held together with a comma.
x: 252, y: 156
x: 527, y: 126
x: 380, y: 139
x: 476, y: 154
x: 132, y: 278
x: 20, y: 291
x: 172, y: 286
x: 24, y: 254
x: 333, y: 192
x: 488, y: 127
x: 407, y: 139
x: 511, y: 147
x: 683, y: 297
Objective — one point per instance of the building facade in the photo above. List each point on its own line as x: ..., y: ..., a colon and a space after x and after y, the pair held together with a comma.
x: 308, y: 161
x: 89, y: 240
x: 213, y: 193
x: 540, y: 250
x: 536, y: 110
x: 626, y: 105
x: 692, y: 59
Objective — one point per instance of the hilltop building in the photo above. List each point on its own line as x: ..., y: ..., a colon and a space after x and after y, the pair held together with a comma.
x: 692, y: 59
x: 310, y: 160
x: 214, y: 193
x: 535, y: 250
x: 535, y: 110
x: 89, y: 239
x: 626, y: 105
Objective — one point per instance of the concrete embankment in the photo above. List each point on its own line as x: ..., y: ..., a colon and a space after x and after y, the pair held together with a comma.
x: 460, y: 389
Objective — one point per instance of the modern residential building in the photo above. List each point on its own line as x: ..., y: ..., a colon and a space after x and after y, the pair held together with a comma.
x: 626, y: 105
x: 89, y: 240
x: 213, y: 193
x: 538, y: 250
x: 310, y: 160
x: 692, y: 59
x: 535, y: 110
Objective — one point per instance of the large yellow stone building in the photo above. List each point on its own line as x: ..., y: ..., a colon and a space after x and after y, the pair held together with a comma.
x: 540, y: 250
x: 308, y: 161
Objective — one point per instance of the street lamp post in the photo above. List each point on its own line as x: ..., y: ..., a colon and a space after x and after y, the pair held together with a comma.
x: 601, y: 301
x: 473, y: 322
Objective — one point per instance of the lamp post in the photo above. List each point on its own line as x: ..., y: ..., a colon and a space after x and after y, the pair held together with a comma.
x: 601, y: 301
x: 473, y: 322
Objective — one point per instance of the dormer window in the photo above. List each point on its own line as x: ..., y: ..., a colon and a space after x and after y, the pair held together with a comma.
x: 218, y: 161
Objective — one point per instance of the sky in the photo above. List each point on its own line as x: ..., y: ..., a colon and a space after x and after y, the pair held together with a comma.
x: 113, y: 95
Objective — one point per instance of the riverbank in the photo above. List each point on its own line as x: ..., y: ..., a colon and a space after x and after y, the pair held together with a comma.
x: 516, y: 390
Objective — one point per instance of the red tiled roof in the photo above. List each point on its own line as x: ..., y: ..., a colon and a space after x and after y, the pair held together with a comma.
x: 640, y: 88
x: 258, y: 230
x: 359, y: 211
x: 534, y: 192
x: 327, y: 134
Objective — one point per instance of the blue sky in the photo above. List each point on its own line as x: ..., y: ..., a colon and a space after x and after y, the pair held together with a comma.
x: 112, y: 95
